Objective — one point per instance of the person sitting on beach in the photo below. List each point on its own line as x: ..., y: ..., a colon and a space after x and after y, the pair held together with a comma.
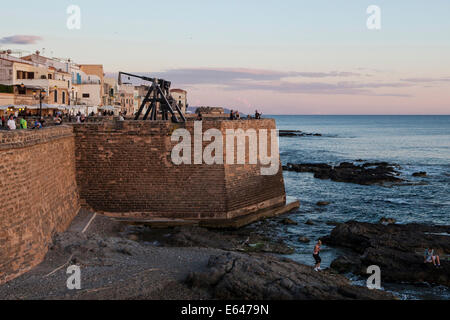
x: 431, y: 257
x: 316, y: 255
x: 257, y: 115
x: 199, y: 117
x: 232, y: 115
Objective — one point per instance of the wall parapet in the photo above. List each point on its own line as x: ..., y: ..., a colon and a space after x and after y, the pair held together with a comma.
x: 24, y: 138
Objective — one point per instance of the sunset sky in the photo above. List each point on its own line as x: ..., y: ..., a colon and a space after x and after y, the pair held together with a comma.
x: 281, y: 57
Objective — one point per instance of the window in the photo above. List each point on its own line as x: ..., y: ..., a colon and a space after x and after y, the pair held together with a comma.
x: 86, y: 95
x: 30, y: 75
x: 56, y: 96
x: 22, y: 90
x: 50, y: 77
x: 64, y: 97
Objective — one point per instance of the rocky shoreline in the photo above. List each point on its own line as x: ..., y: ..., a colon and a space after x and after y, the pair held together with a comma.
x: 192, y: 264
x: 397, y: 249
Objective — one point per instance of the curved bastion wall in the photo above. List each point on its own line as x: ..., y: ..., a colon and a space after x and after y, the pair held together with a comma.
x: 39, y: 195
x: 125, y: 169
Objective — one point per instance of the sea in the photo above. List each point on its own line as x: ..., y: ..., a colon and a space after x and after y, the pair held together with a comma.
x: 415, y: 143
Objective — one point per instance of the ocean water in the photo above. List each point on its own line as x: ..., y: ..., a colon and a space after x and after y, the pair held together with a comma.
x: 416, y: 143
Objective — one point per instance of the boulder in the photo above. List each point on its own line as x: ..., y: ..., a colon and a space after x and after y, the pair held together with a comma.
x: 419, y: 174
x: 304, y: 239
x: 256, y: 277
x: 397, y: 249
x: 364, y: 174
x: 289, y: 222
x: 387, y: 221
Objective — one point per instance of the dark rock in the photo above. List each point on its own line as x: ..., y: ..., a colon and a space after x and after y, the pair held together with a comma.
x: 365, y: 174
x: 304, y: 239
x: 387, y: 221
x: 397, y: 249
x: 347, y: 263
x: 289, y: 222
x: 232, y: 276
x: 420, y: 174
x: 240, y: 240
x: 296, y: 133
x: 323, y: 203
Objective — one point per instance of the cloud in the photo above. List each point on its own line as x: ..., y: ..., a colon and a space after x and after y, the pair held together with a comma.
x: 349, y: 88
x: 427, y: 80
x: 20, y: 39
x: 230, y: 76
x: 330, y: 83
x: 227, y: 76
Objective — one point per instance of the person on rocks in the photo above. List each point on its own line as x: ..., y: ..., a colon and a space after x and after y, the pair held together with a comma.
x: 316, y: 255
x: 199, y: 117
x: 431, y: 257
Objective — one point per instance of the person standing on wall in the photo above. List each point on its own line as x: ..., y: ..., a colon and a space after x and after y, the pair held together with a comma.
x: 23, y: 123
x: 12, y: 123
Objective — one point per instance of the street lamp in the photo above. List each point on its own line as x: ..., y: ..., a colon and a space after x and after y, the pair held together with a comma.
x: 42, y: 93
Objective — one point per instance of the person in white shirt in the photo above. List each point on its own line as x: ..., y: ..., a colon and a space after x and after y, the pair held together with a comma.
x: 11, y: 123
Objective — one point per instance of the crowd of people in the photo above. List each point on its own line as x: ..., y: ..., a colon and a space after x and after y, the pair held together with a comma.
x: 235, y: 115
x: 25, y: 121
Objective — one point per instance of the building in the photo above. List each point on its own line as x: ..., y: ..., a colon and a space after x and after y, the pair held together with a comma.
x: 181, y: 97
x: 88, y: 94
x: 26, y: 78
x: 126, y: 98
x: 84, y: 81
x: 111, y: 91
x: 95, y: 70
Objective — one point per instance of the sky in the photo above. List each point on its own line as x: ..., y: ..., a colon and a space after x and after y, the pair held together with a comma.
x: 280, y: 57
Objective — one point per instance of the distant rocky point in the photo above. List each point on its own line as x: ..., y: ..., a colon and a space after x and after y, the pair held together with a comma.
x: 296, y: 133
x: 364, y: 174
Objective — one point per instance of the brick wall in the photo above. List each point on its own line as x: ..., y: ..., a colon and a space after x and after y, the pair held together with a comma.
x: 125, y: 168
x: 38, y: 195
